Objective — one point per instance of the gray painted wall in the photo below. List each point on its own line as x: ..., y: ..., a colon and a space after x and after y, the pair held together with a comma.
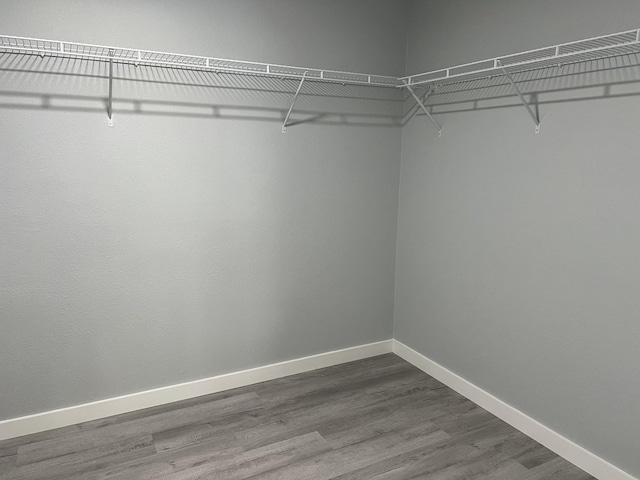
x: 194, y: 239
x: 517, y: 263
x: 179, y: 245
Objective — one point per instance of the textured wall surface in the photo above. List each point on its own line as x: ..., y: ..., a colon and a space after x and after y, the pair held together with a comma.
x: 518, y: 264
x: 193, y: 238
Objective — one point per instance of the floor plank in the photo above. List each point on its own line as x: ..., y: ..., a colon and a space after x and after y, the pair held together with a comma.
x: 556, y: 469
x: 257, y: 461
x: 359, y: 455
x: 421, y: 461
x: 166, y: 463
x: 7, y: 464
x: 38, y: 451
x: 374, y: 419
x: 65, y: 466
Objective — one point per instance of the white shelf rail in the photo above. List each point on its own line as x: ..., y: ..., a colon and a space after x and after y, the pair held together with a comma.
x: 596, y: 48
x: 130, y: 56
x: 590, y: 49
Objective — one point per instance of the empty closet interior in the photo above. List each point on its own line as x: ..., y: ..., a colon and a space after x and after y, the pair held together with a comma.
x: 201, y: 196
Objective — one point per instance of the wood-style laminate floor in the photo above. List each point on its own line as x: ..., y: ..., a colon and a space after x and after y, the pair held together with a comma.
x: 379, y: 418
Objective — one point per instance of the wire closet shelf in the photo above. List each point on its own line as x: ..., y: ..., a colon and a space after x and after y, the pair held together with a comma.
x: 58, y: 48
x: 596, y: 48
x: 591, y: 49
x: 507, y: 66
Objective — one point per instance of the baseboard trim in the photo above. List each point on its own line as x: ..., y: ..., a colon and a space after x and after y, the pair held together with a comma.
x: 17, y: 427
x: 579, y: 456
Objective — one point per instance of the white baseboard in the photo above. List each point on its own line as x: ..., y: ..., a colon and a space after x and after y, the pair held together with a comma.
x: 579, y: 456
x: 589, y: 462
x: 17, y: 427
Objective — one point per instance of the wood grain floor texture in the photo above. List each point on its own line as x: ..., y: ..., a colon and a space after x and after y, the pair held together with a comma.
x: 379, y: 418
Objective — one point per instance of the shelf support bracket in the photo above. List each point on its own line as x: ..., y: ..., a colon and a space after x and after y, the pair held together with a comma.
x: 295, y: 97
x: 425, y: 97
x: 110, y: 104
x: 424, y: 109
x: 530, y: 111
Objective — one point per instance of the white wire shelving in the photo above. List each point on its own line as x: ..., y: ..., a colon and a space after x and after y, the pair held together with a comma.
x: 177, y: 60
x: 590, y: 49
x: 595, y: 48
x: 129, y: 56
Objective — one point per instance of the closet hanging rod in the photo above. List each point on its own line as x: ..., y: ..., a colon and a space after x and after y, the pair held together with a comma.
x: 590, y: 49
x: 59, y: 48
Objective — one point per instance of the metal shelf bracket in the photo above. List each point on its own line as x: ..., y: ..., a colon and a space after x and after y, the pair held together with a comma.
x: 424, y: 109
x: 615, y: 45
x: 425, y: 97
x: 110, y: 100
x: 295, y: 97
x: 530, y: 111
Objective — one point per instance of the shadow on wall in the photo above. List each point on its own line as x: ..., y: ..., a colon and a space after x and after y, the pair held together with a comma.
x: 72, y: 84
x: 174, y: 250
x: 590, y: 80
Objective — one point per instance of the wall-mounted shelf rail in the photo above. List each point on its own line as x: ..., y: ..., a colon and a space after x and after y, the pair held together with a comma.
x: 176, y: 60
x: 595, y: 48
x: 591, y: 49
